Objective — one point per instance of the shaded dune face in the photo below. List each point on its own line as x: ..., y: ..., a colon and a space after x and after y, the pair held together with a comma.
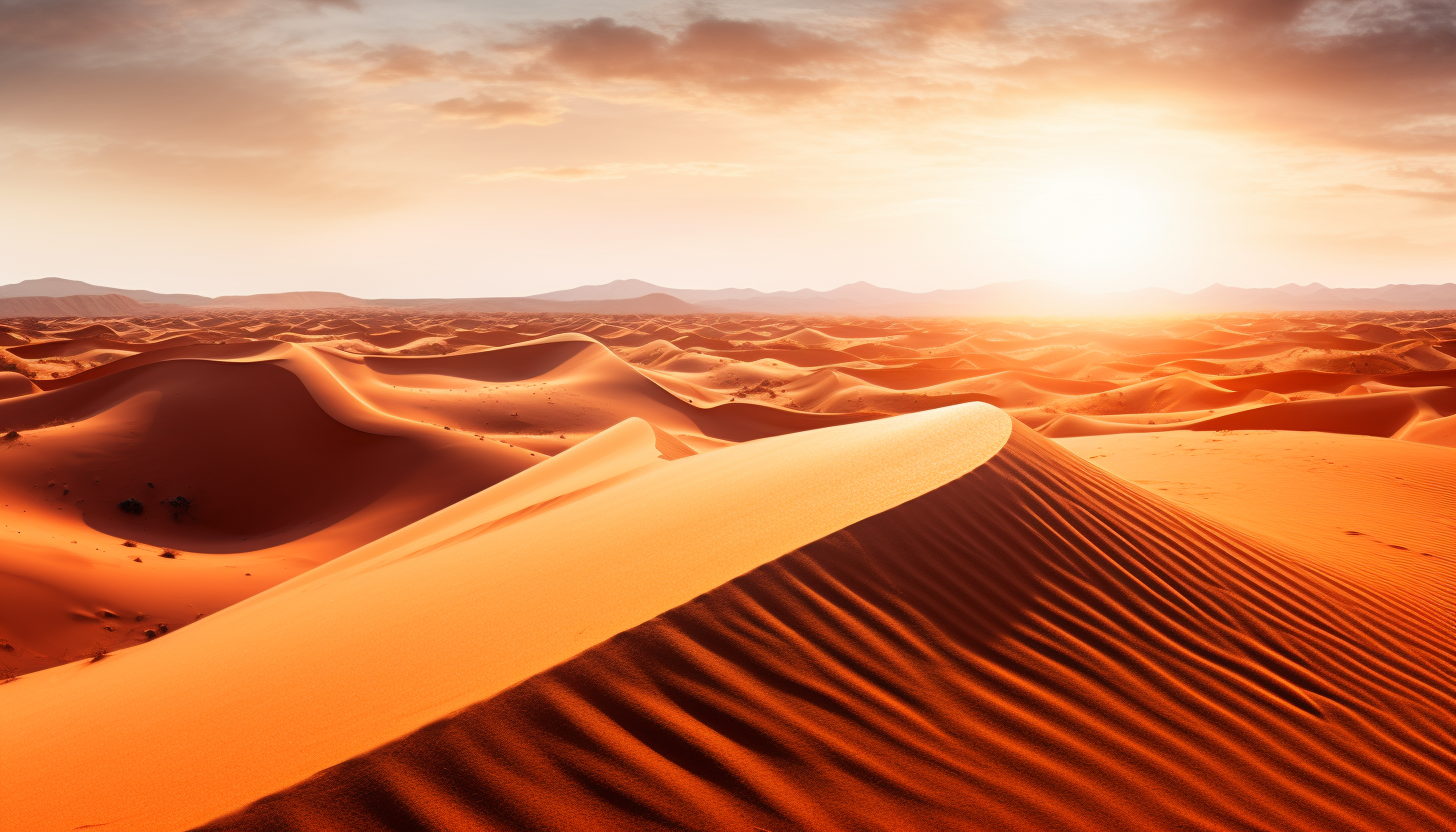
x: 245, y: 443
x: 237, y: 475
x: 259, y: 461
x: 1035, y: 645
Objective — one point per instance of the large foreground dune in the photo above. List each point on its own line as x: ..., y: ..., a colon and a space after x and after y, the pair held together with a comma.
x: 1034, y: 645
x: 310, y: 572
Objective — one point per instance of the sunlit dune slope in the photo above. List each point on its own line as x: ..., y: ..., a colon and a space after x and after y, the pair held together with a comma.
x: 1035, y: 645
x: 15, y: 384
x: 1380, y: 509
x: 446, y: 613
x: 1390, y: 414
x: 286, y: 455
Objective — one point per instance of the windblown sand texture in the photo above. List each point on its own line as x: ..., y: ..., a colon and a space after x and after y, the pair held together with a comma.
x: 572, y: 572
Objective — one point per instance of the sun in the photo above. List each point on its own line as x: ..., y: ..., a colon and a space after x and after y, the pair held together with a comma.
x: 1089, y: 221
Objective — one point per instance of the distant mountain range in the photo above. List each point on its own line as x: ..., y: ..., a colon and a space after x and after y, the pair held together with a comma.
x: 623, y: 297
x: 89, y: 306
x: 28, y: 298
x: 1029, y: 297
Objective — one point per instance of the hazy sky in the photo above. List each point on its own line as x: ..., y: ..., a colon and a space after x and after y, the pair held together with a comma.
x: 450, y: 148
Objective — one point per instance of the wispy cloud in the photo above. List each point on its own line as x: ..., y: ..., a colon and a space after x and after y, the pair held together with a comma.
x: 154, y: 91
x: 576, y: 173
x: 207, y: 86
x: 1443, y: 196
x: 485, y: 111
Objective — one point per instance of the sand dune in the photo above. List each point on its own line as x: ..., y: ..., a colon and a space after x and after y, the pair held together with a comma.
x: 15, y: 384
x: 221, y: 411
x: 1390, y: 414
x: 370, y: 570
x: 248, y: 472
x: 606, y: 561
x: 1380, y: 509
x: 939, y: 666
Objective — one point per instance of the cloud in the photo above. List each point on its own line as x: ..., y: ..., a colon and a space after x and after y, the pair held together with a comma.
x: 1440, y: 196
x: 577, y: 173
x: 746, y: 58
x: 1246, y: 12
x: 1361, y: 73
x: 1375, y: 74
x: 136, y: 93
x: 200, y: 80
x: 398, y: 63
x: 63, y: 24
x: 1369, y: 74
x: 942, y: 18
x: 211, y: 105
x: 1427, y: 173
x: 494, y: 112
x: 281, y: 184
x: 402, y: 62
x: 40, y: 24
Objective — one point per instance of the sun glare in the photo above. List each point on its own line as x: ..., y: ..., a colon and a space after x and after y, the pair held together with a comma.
x: 1090, y: 221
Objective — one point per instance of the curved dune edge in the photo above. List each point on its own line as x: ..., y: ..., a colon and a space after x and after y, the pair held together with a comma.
x: 723, y: 379
x: 940, y: 666
x: 1385, y: 511
x: 1387, y: 414
x: 630, y: 446
x: 356, y: 388
x: 283, y: 468
x: 1438, y: 431
x: 215, y: 715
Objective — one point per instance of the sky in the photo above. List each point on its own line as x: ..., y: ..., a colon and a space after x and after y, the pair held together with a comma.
x: 442, y: 148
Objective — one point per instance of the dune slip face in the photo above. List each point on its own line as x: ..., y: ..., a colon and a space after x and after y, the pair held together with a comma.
x: 1035, y: 645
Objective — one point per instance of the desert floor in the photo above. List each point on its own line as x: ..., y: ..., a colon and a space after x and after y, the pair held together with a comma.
x: 339, y: 571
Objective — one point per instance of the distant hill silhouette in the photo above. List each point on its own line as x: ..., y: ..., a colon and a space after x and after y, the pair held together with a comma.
x: 78, y: 305
x: 627, y: 297
x: 59, y: 287
x: 1035, y: 297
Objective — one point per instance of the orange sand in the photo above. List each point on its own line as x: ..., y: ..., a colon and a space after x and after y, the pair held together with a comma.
x: 1033, y: 646
x: 684, y: 572
x: 1379, y: 508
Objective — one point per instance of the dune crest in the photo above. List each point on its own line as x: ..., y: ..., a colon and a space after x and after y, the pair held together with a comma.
x: 1035, y: 645
x: 607, y: 561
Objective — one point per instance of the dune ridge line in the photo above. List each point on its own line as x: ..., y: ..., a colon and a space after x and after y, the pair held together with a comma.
x: 460, y: 624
